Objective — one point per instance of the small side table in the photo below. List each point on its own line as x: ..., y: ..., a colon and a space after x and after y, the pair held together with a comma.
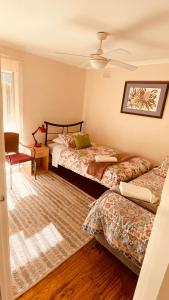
x: 41, y: 156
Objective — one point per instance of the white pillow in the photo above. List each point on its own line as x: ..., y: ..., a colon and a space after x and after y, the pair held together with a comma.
x: 58, y: 140
x: 137, y: 192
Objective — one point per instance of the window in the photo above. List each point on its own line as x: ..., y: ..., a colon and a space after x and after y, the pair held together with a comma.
x: 9, y: 108
x: 11, y: 94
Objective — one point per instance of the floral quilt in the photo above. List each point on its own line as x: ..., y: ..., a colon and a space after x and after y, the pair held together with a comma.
x: 126, y: 226
x: 152, y: 181
x: 78, y: 160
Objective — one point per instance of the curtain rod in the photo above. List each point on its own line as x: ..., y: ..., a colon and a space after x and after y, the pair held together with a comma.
x: 10, y: 57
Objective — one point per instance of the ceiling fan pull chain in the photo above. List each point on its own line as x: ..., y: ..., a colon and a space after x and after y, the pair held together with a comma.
x: 99, y: 50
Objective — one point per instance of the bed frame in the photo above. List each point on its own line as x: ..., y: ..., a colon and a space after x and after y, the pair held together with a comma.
x: 87, y: 185
x: 61, y: 128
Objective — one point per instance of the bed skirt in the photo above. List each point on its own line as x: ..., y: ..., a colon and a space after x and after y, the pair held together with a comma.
x: 134, y: 268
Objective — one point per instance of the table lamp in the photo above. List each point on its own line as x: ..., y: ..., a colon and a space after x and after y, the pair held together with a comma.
x: 42, y: 129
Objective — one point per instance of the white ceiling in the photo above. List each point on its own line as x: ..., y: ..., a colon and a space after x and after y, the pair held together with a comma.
x: 139, y: 29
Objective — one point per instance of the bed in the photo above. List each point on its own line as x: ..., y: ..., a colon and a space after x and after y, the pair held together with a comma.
x: 78, y: 160
x: 123, y: 226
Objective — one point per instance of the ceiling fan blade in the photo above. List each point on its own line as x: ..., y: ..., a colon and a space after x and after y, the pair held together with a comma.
x: 65, y: 53
x: 85, y: 65
x: 122, y: 64
x: 122, y: 51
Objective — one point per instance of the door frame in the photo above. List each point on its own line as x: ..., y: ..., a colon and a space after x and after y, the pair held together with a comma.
x: 5, y: 270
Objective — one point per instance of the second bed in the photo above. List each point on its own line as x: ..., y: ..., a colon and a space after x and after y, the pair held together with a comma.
x: 121, y: 224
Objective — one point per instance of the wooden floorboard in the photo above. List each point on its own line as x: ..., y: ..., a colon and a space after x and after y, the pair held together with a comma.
x: 90, y: 274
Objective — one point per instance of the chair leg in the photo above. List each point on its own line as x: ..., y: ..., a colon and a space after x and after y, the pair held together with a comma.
x: 32, y: 167
x: 34, y: 164
x: 11, y: 177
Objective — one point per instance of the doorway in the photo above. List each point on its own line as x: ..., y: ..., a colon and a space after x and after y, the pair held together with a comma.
x: 5, y: 277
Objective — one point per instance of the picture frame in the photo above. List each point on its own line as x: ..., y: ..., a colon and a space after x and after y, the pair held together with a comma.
x: 145, y: 98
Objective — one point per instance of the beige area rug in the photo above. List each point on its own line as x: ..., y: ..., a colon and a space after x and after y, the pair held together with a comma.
x: 45, y: 218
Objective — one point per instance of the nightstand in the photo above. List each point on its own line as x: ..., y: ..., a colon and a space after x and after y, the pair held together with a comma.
x: 41, y: 156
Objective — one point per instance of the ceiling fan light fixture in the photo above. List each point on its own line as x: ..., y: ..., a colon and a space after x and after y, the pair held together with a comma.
x: 99, y: 63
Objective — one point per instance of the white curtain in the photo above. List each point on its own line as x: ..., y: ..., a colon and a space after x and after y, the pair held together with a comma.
x: 11, y: 79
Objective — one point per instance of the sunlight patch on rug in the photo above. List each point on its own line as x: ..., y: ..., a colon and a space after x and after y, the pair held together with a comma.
x: 45, y: 218
x: 30, y: 248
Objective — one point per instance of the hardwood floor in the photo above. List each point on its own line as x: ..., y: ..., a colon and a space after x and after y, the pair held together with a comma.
x: 90, y: 274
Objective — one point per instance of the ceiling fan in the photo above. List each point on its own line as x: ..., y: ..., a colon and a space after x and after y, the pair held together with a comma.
x: 97, y: 60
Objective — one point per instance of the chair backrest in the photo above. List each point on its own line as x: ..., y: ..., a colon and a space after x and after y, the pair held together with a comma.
x: 11, y: 142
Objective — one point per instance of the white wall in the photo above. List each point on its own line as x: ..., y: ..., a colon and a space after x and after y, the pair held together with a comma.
x: 106, y: 125
x: 52, y: 91
x: 156, y: 260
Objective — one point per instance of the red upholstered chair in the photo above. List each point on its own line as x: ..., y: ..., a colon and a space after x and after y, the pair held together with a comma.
x: 12, y: 154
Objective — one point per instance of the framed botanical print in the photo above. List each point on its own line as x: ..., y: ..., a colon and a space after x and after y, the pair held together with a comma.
x: 145, y: 98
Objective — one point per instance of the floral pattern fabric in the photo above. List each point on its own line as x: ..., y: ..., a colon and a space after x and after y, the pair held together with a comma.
x: 151, y: 181
x: 78, y: 160
x: 67, y: 140
x: 126, y: 226
x: 163, y: 168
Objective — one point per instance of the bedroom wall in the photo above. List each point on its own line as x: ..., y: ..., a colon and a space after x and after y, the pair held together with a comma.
x: 52, y: 91
x: 106, y: 125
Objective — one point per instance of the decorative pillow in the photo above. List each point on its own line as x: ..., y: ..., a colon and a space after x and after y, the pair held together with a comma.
x: 163, y: 168
x: 82, y: 141
x: 68, y: 139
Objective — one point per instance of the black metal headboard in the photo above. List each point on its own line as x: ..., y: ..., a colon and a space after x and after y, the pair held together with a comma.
x: 61, y: 129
